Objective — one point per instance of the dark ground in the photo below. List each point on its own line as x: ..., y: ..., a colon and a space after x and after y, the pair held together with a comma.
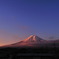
x: 29, y: 53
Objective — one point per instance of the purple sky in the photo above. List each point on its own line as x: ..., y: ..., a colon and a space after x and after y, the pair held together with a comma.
x: 22, y: 18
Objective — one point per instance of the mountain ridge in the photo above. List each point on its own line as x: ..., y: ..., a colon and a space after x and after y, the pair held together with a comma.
x: 33, y: 41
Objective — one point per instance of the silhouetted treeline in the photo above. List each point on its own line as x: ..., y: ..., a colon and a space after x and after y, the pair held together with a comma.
x: 35, y: 50
x: 30, y: 50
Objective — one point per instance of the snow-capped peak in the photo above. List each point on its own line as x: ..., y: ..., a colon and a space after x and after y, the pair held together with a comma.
x: 33, y: 38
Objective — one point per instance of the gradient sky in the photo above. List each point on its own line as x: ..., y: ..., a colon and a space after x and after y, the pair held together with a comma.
x: 22, y: 18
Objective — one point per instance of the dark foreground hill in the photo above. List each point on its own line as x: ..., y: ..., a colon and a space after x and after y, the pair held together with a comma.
x: 29, y: 53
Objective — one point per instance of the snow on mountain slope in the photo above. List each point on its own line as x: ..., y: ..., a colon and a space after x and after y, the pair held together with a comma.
x: 33, y: 38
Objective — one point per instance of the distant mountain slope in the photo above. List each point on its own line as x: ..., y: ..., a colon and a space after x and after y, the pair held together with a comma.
x: 34, y: 41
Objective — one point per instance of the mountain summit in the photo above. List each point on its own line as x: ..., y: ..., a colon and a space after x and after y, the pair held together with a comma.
x: 33, y: 38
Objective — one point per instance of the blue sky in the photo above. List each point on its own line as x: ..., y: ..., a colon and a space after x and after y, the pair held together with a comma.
x: 22, y: 18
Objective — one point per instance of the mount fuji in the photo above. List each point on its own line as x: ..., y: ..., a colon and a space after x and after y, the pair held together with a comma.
x: 34, y: 41
x: 31, y: 41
